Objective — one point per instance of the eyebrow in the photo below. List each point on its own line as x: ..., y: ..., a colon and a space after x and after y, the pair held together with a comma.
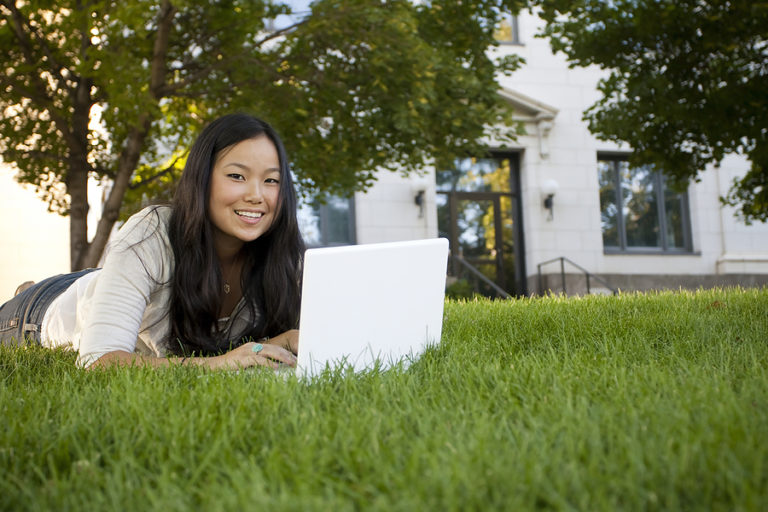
x: 246, y: 168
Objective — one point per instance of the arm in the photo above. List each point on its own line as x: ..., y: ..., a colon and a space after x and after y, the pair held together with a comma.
x: 289, y: 340
x: 112, y: 310
x: 271, y: 356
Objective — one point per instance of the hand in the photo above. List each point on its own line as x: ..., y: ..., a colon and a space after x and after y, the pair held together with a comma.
x: 289, y: 340
x: 271, y: 355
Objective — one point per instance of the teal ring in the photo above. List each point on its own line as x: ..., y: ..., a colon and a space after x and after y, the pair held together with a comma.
x: 258, y: 348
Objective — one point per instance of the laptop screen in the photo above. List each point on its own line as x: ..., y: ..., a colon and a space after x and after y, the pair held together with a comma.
x: 367, y: 303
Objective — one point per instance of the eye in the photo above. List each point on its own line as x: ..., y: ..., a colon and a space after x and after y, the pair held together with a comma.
x: 236, y: 176
x: 272, y: 180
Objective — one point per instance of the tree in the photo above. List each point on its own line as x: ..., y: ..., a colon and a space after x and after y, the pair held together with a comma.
x: 117, y: 90
x: 687, y: 83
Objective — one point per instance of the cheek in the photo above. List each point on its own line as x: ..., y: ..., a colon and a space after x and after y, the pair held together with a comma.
x: 223, y: 194
x: 274, y: 199
x: 275, y: 206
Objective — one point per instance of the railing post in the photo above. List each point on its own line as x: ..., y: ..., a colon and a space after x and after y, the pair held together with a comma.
x: 562, y: 274
x: 541, y: 284
x: 587, y: 274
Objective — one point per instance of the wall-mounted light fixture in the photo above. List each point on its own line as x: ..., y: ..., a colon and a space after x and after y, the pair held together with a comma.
x: 418, y: 200
x: 548, y: 190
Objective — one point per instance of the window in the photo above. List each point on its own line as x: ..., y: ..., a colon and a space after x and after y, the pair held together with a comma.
x: 491, y: 174
x: 326, y: 223
x: 508, y: 31
x: 638, y: 212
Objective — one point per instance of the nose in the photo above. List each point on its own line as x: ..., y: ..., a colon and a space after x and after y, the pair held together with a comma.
x: 254, y: 193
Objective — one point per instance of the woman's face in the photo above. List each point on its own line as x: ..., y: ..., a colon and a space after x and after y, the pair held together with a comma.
x: 245, y: 186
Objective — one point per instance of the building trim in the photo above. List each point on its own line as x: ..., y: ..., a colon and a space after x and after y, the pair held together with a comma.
x: 532, y: 111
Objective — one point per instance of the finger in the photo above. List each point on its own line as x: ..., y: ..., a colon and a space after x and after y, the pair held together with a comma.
x: 265, y: 361
x: 278, y: 354
x: 280, y: 341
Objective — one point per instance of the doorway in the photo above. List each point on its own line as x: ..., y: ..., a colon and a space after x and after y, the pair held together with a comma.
x: 479, y: 212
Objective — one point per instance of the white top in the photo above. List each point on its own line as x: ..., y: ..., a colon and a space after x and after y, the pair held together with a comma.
x: 124, y: 306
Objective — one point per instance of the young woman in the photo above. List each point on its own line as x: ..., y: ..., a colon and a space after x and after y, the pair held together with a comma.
x: 193, y: 283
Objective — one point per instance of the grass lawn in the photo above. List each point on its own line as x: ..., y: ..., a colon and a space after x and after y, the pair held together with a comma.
x: 635, y: 402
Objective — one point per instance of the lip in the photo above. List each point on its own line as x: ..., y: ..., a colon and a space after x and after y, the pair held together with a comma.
x: 250, y: 220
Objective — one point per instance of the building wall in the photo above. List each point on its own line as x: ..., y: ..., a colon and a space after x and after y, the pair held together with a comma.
x: 35, y: 241
x: 725, y: 251
x: 387, y: 212
x: 722, y: 244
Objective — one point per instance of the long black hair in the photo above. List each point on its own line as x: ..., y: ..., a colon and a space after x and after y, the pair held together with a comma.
x: 272, y: 269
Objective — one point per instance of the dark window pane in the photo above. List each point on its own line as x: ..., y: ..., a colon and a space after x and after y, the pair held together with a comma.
x: 476, y: 175
x: 443, y: 216
x: 673, y: 203
x: 507, y: 29
x: 508, y: 240
x: 648, y: 216
x: 339, y: 221
x: 476, y: 229
x: 641, y: 210
x: 309, y: 223
x: 329, y: 223
x: 609, y: 211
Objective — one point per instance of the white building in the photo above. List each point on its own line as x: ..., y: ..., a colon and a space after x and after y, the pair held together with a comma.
x: 35, y: 241
x: 492, y: 209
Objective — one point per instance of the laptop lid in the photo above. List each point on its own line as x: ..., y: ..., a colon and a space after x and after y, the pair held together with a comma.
x: 361, y: 303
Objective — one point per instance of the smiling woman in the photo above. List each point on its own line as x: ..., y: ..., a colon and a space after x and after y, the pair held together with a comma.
x: 245, y: 188
x: 218, y: 267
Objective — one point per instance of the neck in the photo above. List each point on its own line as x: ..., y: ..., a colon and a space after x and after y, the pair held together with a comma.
x: 228, y: 253
x: 228, y: 260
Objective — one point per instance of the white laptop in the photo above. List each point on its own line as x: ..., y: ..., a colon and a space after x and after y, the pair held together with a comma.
x: 375, y: 304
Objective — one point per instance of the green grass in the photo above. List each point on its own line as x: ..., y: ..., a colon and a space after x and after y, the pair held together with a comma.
x: 636, y: 402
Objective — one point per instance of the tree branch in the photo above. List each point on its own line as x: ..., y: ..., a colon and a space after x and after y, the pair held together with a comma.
x: 40, y: 155
x: 20, y: 23
x: 158, y: 66
x: 282, y: 31
x: 160, y: 174
x: 131, y: 152
x: 173, y: 88
x: 40, y: 92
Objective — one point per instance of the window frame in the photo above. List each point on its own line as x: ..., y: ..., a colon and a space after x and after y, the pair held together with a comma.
x: 324, y: 227
x: 659, y: 183
x: 514, y: 27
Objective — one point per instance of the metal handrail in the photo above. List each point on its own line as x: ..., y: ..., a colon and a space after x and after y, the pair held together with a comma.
x: 482, y: 277
x: 587, y: 274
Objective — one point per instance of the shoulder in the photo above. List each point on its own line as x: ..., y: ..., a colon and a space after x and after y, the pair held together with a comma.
x: 151, y: 217
x: 140, y: 250
x: 151, y: 222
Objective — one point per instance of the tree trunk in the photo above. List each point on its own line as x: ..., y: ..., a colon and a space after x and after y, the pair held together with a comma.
x: 77, y: 187
x: 77, y: 175
x: 134, y: 144
x: 129, y: 158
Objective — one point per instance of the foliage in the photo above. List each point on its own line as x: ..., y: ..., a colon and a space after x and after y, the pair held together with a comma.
x: 117, y: 90
x: 634, y: 402
x: 687, y: 82
x: 460, y: 289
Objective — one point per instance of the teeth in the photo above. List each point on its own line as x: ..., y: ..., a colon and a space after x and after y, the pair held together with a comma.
x: 250, y: 215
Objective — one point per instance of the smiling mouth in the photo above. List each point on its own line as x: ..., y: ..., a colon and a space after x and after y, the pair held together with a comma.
x: 249, y: 215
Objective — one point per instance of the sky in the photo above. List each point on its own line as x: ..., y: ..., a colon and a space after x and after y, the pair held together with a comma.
x: 298, y: 6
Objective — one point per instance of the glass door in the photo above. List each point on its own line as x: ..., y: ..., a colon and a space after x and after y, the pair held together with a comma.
x: 481, y: 231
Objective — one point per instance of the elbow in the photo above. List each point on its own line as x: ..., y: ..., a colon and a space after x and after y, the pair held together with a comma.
x: 104, y: 360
